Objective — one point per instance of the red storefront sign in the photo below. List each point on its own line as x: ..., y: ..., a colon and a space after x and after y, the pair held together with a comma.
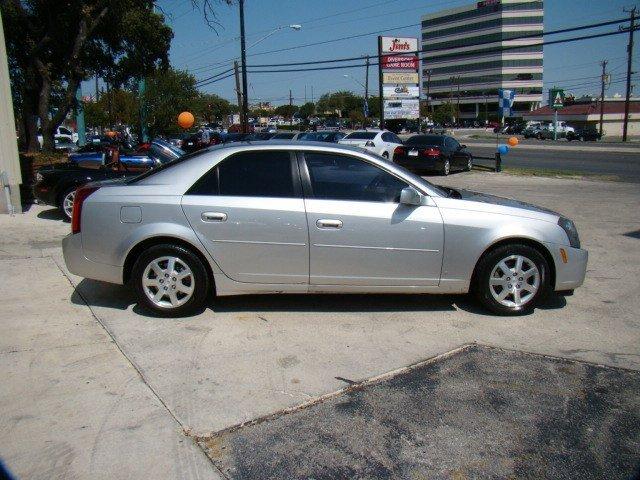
x: 400, y: 62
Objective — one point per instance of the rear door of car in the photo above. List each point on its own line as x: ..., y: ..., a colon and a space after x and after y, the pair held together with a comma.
x: 249, y: 214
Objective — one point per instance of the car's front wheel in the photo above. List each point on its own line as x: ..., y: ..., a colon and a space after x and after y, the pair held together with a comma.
x: 170, y: 281
x: 511, y: 279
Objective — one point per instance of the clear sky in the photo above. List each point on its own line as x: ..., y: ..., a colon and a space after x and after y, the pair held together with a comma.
x: 204, y: 52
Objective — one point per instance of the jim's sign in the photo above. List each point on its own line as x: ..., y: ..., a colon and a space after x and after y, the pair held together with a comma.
x: 399, y: 45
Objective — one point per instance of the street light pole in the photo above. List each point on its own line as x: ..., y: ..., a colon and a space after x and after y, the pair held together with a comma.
x: 243, y: 60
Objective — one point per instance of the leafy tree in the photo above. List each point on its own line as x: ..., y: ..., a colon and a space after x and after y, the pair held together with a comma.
x: 307, y: 110
x: 210, y: 107
x: 286, y: 110
x: 117, y: 106
x: 343, y: 102
x: 167, y: 94
x: 374, y: 107
x: 444, y: 113
x: 54, y: 45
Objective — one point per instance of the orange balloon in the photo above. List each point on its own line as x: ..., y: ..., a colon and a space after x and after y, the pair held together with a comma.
x: 513, y: 141
x: 186, y: 120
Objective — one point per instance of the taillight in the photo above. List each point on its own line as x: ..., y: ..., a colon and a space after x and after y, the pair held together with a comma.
x: 81, y: 195
x: 398, y: 151
x: 431, y: 152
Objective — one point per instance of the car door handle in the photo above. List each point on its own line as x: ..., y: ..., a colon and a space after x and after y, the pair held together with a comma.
x: 328, y: 223
x: 214, y: 217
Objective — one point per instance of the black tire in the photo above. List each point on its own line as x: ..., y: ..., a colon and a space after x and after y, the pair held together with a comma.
x: 61, y: 203
x: 490, y: 260
x: 469, y: 165
x: 446, y: 167
x: 201, y: 281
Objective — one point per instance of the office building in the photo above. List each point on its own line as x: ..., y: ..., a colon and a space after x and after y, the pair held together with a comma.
x: 471, y: 52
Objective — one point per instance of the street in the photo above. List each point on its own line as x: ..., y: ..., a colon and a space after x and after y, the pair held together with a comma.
x: 582, y: 158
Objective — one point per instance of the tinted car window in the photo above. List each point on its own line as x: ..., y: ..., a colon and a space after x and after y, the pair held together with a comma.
x: 361, y: 136
x: 249, y: 174
x: 425, y: 140
x: 339, y: 177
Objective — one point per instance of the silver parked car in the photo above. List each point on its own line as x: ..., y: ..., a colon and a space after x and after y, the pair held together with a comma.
x: 292, y: 217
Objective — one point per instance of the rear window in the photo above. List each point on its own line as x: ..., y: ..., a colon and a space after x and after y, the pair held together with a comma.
x: 361, y: 136
x: 425, y: 140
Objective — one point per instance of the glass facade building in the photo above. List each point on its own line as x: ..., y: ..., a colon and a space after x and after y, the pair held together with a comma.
x: 471, y: 52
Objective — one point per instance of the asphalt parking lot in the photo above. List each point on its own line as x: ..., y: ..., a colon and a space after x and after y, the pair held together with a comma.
x: 95, y: 388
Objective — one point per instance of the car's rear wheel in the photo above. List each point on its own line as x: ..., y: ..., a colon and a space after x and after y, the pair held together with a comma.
x: 66, y: 203
x: 170, y: 281
x: 446, y: 167
x: 511, y: 279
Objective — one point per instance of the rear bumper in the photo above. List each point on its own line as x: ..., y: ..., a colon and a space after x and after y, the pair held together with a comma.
x: 44, y: 195
x: 80, y: 265
x: 414, y: 163
x: 569, y: 274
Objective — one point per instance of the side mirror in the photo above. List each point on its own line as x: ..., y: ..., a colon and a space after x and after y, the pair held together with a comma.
x: 462, y: 147
x: 410, y: 196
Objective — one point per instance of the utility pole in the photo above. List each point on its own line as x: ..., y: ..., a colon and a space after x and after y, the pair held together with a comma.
x: 290, y: 109
x: 632, y: 26
x: 305, y: 94
x: 243, y: 59
x: 238, y: 92
x: 366, y: 87
x: 311, y: 93
x: 97, y: 92
x: 603, y: 80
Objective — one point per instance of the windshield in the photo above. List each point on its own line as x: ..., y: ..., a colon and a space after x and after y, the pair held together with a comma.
x: 361, y: 136
x: 315, y: 136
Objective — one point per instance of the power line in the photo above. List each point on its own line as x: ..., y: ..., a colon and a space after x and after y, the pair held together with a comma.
x: 420, y: 52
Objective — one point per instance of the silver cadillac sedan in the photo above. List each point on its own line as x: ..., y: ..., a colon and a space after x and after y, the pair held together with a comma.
x: 298, y: 217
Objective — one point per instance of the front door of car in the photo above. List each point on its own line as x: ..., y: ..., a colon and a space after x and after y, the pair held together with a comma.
x: 249, y: 214
x: 359, y: 233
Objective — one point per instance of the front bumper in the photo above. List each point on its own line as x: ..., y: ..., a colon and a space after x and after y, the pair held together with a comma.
x: 570, y: 274
x: 80, y: 265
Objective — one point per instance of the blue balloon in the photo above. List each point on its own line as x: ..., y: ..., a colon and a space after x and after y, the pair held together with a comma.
x: 503, y: 149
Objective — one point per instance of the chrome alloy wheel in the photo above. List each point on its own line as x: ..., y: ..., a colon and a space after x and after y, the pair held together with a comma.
x: 168, y: 282
x: 67, y: 203
x: 514, y: 281
x: 447, y: 167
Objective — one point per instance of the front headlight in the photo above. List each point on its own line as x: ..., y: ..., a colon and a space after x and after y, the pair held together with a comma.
x: 39, y: 177
x: 570, y: 229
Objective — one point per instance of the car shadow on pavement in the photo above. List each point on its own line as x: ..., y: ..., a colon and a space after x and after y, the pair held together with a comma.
x: 51, y: 214
x: 121, y: 297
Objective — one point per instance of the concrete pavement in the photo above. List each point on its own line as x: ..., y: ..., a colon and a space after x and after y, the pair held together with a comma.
x: 251, y: 356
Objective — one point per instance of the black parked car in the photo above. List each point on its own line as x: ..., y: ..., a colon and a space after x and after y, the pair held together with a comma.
x: 440, y: 153
x: 322, y: 136
x: 56, y: 184
x: 260, y: 136
x: 584, y: 134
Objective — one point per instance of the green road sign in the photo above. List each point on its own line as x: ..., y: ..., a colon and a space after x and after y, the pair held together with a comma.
x: 556, y: 98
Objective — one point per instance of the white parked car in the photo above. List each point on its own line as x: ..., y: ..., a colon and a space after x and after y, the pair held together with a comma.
x: 382, y: 142
x: 62, y: 133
